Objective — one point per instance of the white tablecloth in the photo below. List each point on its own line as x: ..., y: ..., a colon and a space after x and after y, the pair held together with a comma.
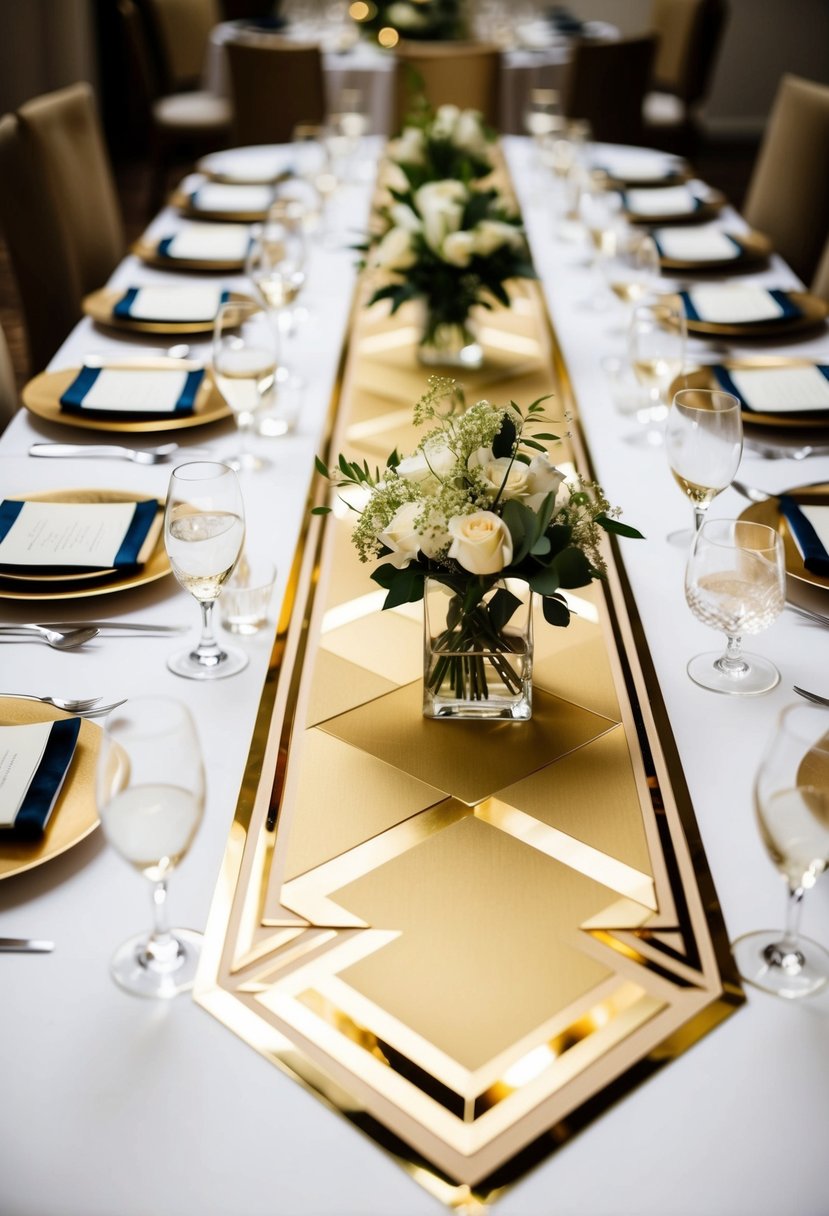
x: 111, y: 1104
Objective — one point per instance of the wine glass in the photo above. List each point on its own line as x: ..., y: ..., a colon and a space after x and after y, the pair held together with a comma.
x: 276, y: 266
x: 735, y: 581
x: 204, y: 529
x: 791, y: 798
x: 629, y: 262
x: 245, y: 363
x: 600, y: 211
x: 704, y: 443
x: 656, y: 346
x: 150, y: 794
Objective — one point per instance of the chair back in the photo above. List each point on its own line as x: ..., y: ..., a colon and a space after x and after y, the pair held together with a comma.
x: 690, y: 33
x: 274, y: 86
x: 606, y: 83
x: 8, y: 390
x: 182, y: 31
x: 820, y: 283
x: 788, y: 192
x: 61, y: 221
x: 464, y: 74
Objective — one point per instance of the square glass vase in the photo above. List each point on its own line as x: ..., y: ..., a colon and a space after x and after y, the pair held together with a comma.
x: 474, y: 667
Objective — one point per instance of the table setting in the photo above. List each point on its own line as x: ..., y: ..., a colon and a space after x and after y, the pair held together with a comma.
x: 382, y: 894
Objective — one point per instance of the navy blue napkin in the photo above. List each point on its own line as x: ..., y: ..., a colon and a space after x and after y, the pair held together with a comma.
x: 123, y: 308
x: 790, y: 309
x: 127, y: 555
x: 815, y: 557
x: 41, y: 796
x: 72, y: 400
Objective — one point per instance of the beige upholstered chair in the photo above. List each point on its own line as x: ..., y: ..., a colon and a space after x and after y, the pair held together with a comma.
x: 8, y: 391
x: 465, y: 74
x: 275, y: 85
x: 820, y: 283
x: 690, y: 33
x: 182, y: 30
x: 61, y: 220
x: 605, y: 83
x: 179, y: 125
x: 788, y: 194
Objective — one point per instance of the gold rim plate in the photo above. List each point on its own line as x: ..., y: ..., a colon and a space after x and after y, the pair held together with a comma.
x: 707, y: 210
x: 753, y: 247
x: 207, y: 164
x: 703, y: 377
x: 147, y: 251
x: 100, y: 304
x: 98, y: 582
x: 674, y: 177
x: 75, y: 814
x: 813, y: 311
x: 184, y: 206
x: 42, y: 397
x: 768, y: 513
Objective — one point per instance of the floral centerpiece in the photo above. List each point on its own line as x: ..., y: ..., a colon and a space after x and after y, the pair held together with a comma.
x: 443, y: 143
x: 416, y: 19
x: 452, y: 247
x: 478, y: 510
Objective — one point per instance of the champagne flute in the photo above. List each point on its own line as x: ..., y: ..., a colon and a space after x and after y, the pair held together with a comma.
x: 245, y: 362
x: 656, y: 347
x: 735, y: 581
x: 791, y: 798
x: 204, y: 529
x: 276, y: 266
x: 704, y: 443
x: 150, y: 794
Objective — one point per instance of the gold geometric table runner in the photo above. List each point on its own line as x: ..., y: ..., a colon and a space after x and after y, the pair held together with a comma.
x: 469, y: 938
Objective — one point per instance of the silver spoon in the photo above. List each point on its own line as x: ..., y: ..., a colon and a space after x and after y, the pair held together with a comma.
x: 751, y: 492
x: 769, y: 452
x: 58, y: 639
x: 86, y: 708
x: 112, y: 451
x: 811, y: 696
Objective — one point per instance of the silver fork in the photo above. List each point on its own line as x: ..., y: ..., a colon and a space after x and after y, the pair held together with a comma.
x: 771, y: 452
x: 814, y: 697
x: 111, y: 451
x: 85, y: 707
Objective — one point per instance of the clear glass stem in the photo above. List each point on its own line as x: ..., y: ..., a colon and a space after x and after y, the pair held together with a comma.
x: 208, y: 652
x: 786, y: 953
x: 732, y: 663
x: 162, y: 949
x: 699, y: 515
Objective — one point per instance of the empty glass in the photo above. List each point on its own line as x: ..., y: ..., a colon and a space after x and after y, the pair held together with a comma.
x: 704, y: 443
x: 656, y: 347
x: 791, y: 797
x: 150, y: 794
x: 735, y: 581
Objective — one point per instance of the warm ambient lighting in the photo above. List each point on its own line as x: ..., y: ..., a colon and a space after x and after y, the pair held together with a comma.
x: 359, y: 11
x: 388, y: 37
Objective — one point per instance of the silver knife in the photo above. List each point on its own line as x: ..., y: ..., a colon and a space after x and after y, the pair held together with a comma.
x: 26, y: 945
x: 115, y: 625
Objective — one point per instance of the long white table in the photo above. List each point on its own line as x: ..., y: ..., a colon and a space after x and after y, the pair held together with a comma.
x: 110, y: 1104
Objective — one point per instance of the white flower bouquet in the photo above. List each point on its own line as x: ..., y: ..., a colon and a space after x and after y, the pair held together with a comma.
x: 479, y: 502
x: 446, y: 143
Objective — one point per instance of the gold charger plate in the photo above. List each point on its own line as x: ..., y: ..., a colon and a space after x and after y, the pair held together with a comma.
x: 707, y: 210
x: 674, y: 177
x: 753, y: 247
x: 147, y: 251
x: 42, y: 397
x: 240, y: 178
x: 768, y: 513
x: 813, y: 311
x: 703, y: 377
x: 100, y: 304
x: 75, y: 814
x: 183, y: 203
x: 98, y: 582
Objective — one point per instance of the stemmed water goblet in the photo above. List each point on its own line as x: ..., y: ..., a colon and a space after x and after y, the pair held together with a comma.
x: 245, y: 370
x: 735, y: 581
x: 704, y: 443
x: 791, y: 798
x: 204, y: 529
x: 150, y: 794
x: 656, y: 347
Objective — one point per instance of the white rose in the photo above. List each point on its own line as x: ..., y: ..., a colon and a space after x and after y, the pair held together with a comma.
x: 405, y: 17
x: 481, y: 542
x: 403, y: 217
x: 400, y: 535
x: 430, y: 466
x: 410, y: 147
x: 435, y: 539
x: 414, y: 468
x: 490, y: 235
x: 469, y: 133
x: 440, y: 205
x: 543, y: 478
x: 395, y: 251
x: 458, y: 248
x: 446, y: 118
x: 497, y: 470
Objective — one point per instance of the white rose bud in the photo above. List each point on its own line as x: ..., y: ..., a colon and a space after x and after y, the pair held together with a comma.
x: 402, y: 216
x: 400, y: 535
x: 490, y: 235
x: 395, y: 251
x: 481, y: 542
x: 458, y: 248
x: 410, y: 147
x: 543, y: 478
x: 497, y: 470
x: 469, y: 133
x: 440, y: 204
x: 446, y: 118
